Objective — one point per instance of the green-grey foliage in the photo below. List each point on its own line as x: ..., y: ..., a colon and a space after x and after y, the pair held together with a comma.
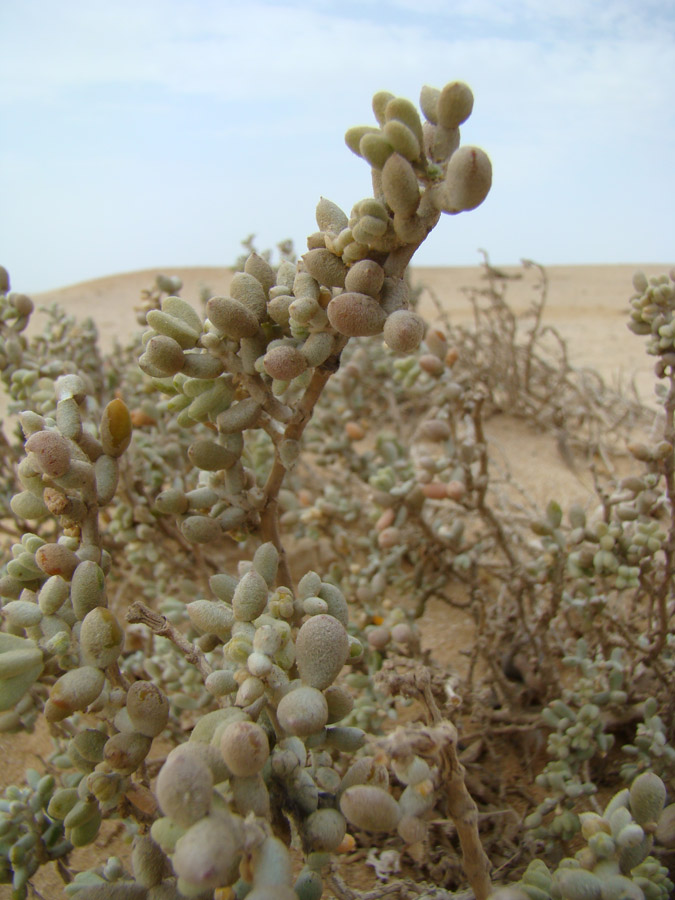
x: 219, y: 556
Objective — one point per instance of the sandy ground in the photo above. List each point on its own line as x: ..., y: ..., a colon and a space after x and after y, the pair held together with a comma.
x: 586, y: 304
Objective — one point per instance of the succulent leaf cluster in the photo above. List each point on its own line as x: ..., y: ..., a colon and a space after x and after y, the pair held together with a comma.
x: 616, y: 861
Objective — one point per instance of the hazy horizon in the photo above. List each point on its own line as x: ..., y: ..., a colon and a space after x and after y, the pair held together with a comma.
x: 159, y: 131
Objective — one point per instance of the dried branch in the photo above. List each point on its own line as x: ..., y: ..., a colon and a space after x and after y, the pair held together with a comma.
x: 438, y: 740
x: 140, y: 614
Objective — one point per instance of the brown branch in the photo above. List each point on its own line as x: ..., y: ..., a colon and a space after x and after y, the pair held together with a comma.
x: 664, y: 587
x: 402, y: 890
x: 439, y: 740
x: 139, y: 613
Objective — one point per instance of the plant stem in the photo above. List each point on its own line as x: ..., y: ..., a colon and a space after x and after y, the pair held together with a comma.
x: 139, y: 613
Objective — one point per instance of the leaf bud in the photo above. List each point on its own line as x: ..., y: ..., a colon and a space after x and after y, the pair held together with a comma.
x: 317, y: 348
x: 125, y: 751
x: 81, y: 813
x: 250, y: 795
x: 402, y: 139
x: 340, y: 703
x: 314, y: 606
x: 440, y: 143
x: 248, y: 291
x: 89, y: 744
x: 149, y: 863
x: 223, y: 586
x: 81, y: 835
x: 106, y: 473
x: 250, y: 597
x: 75, y: 690
x: 115, y: 429
x: 468, y: 179
x: 284, y: 362
x: 325, y: 267
x: 208, y: 854
x: 356, y: 315
x: 62, y: 801
x: 454, y: 104
x: 201, y: 498
x: 429, y: 97
x: 87, y: 587
x: 278, y: 308
x: 322, y: 648
x: 202, y: 365
x: 647, y: 798
x: 27, y: 505
x: 302, y: 711
x: 399, y: 183
x: 21, y: 661
x: 365, y: 277
x: 403, y: 110
x: 640, y: 282
x: 261, y: 270
x: 329, y: 216
x: 354, y: 134
x: 22, y: 304
x: 148, y: 708
x: 181, y: 309
x: 68, y: 419
x: 368, y: 230
x: 665, y: 830
x: 101, y: 638
x: 375, y: 148
x: 403, y: 331
x: 394, y: 295
x: 379, y: 105
x: 370, y: 807
x: 57, y: 559
x: 239, y: 417
x: 355, y: 251
x: 309, y: 884
x: 184, y: 788
x: 162, y: 354
x: 245, y: 748
x: 174, y: 327
x: 210, y: 456
x: 266, y: 562
x: 51, y: 452
x: 232, y: 318
x: 201, y: 529
x: 346, y: 738
x: 325, y: 829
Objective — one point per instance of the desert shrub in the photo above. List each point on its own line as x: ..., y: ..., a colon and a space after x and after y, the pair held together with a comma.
x: 225, y: 534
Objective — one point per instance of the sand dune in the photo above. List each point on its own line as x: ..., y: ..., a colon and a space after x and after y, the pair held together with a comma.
x: 586, y: 304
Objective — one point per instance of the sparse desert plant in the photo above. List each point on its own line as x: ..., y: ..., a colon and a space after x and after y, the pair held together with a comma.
x: 227, y: 693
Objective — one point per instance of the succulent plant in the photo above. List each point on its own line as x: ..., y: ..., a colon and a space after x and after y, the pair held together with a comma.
x: 219, y: 695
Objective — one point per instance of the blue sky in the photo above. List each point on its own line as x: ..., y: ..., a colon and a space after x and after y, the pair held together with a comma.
x: 162, y: 132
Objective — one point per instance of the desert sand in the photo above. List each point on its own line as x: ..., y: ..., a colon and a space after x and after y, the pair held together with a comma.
x: 587, y: 305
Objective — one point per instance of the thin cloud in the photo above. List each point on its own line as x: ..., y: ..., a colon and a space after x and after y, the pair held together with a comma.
x: 241, y: 108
